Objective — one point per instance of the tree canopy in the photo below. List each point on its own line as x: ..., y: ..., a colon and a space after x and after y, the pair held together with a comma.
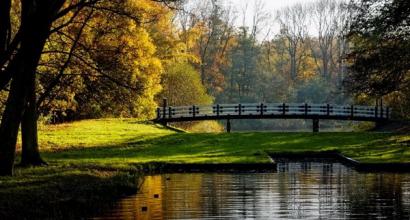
x: 380, y: 34
x: 379, y: 60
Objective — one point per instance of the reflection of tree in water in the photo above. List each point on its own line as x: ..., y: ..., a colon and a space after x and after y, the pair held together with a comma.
x: 294, y: 182
x: 299, y: 190
x: 184, y: 192
x: 215, y: 190
x: 373, y: 195
x: 329, y: 190
x: 143, y: 206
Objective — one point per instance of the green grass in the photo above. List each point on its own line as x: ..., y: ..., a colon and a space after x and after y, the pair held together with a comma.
x: 123, y: 143
x: 62, y: 192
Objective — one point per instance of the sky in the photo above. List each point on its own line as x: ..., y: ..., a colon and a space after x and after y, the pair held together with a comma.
x: 270, y: 28
x: 270, y: 6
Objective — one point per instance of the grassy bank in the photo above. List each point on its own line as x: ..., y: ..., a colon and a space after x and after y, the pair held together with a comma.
x: 93, y: 162
x: 124, y: 143
x: 62, y: 192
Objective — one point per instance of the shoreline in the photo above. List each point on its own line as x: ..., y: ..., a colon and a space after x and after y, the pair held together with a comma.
x: 347, y: 161
x: 336, y: 156
x: 97, y: 191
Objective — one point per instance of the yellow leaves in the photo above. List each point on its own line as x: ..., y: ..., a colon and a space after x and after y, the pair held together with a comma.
x: 180, y: 54
x: 362, y: 98
x: 183, y: 86
x: 191, y: 36
x: 142, y: 41
x: 309, y: 69
x: 118, y: 47
x: 146, y: 10
x: 145, y: 70
x: 130, y: 51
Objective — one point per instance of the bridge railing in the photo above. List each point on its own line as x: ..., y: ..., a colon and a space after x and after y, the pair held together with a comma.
x: 286, y: 109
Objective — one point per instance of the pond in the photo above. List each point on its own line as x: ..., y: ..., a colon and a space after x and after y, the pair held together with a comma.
x: 298, y: 190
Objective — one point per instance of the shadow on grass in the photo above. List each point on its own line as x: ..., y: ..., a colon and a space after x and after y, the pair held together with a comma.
x: 61, y: 192
x: 235, y: 147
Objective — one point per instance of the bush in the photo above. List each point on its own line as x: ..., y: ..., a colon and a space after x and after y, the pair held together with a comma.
x: 182, y: 86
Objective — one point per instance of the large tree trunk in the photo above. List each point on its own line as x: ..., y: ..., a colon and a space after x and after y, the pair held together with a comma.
x: 30, y: 155
x: 293, y: 67
x: 325, y: 60
x: 10, y: 122
x: 37, y: 16
x: 5, y: 25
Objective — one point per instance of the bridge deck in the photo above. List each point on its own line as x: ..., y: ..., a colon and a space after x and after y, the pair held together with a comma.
x: 272, y: 110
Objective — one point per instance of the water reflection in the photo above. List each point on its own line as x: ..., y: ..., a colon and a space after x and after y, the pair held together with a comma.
x: 299, y: 190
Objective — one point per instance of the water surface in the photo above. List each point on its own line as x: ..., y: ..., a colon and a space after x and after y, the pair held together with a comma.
x: 298, y: 190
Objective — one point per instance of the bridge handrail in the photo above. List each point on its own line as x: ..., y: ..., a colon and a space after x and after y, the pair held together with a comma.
x: 250, y: 109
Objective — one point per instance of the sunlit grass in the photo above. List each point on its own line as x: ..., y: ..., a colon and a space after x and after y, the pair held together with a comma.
x: 91, y: 133
x: 123, y: 143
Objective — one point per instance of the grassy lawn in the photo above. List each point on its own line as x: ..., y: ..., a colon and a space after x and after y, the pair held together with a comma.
x: 123, y: 143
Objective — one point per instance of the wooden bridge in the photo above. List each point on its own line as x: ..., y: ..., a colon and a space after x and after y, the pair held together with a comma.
x: 315, y: 112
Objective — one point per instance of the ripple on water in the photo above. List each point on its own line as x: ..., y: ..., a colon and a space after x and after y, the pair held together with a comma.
x: 299, y: 190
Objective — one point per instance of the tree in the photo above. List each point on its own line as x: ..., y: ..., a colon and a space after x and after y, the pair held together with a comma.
x: 293, y: 25
x: 215, y: 25
x: 327, y: 17
x: 182, y: 86
x: 20, y: 61
x: 36, y: 20
x: 242, y: 71
x: 380, y: 56
x: 5, y: 25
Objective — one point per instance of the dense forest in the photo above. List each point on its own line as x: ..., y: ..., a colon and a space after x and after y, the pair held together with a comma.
x: 69, y: 60
x: 94, y: 67
x: 102, y: 63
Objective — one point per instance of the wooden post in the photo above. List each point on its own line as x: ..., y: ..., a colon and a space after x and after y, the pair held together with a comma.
x: 261, y: 108
x: 164, y: 108
x: 381, y: 108
x: 158, y: 113
x: 315, y: 125
x: 228, y: 126
x: 306, y: 109
x: 240, y: 109
x: 164, y: 111
x: 376, y: 110
x: 328, y: 109
x: 351, y: 111
x: 284, y: 108
x: 217, y: 110
x: 193, y: 111
x: 169, y: 112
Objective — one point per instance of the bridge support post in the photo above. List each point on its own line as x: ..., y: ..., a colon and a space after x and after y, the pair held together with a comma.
x: 164, y: 111
x: 228, y: 126
x: 315, y: 125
